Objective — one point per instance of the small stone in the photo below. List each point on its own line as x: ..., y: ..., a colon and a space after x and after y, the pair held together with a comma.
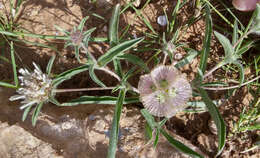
x: 178, y: 56
x: 212, y: 127
x: 136, y: 3
x: 162, y: 20
x: 208, y: 142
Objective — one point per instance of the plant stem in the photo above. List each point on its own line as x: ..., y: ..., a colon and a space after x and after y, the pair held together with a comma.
x: 90, y: 54
x: 106, y: 69
x: 213, y: 69
x: 165, y: 58
x: 82, y: 89
x: 231, y: 87
x: 241, y: 38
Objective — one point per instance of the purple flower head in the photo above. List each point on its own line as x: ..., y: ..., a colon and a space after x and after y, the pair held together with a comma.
x: 164, y: 91
x: 76, y: 37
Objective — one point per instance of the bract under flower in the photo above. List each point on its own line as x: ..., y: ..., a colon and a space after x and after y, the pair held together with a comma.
x: 165, y: 91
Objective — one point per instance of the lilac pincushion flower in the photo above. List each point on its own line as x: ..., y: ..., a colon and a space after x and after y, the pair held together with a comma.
x: 164, y: 91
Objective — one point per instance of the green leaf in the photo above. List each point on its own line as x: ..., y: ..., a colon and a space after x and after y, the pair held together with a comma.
x: 206, y: 41
x: 228, y: 48
x: 113, y: 26
x: 135, y: 60
x: 50, y: 64
x: 14, y: 65
x: 148, y: 131
x: 241, y: 72
x: 26, y: 111
x: 148, y: 24
x: 191, y: 55
x: 113, y: 137
x: 76, y: 49
x: 235, y: 33
x: 82, y: 23
x: 156, y: 137
x: 245, y: 48
x: 68, y: 74
x: 62, y: 30
x: 221, y: 127
x: 109, y: 100
x: 149, y: 118
x: 54, y: 101
x: 117, y: 50
x: 118, y: 67
x: 8, y: 85
x: 180, y: 146
x: 36, y: 112
x: 94, y: 77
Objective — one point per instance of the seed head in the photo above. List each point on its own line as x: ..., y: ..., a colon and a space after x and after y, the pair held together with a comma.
x: 164, y: 91
x: 36, y: 87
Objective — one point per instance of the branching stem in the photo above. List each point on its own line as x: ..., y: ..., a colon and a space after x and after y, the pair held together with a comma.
x: 82, y: 89
x: 231, y: 87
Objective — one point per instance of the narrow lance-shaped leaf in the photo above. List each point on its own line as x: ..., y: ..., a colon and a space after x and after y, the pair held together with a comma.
x: 94, y: 77
x: 113, y: 137
x: 36, y: 113
x: 117, y: 50
x: 228, y: 48
x: 206, y: 42
x: 135, y: 60
x: 113, y: 26
x: 118, y: 67
x: 14, y: 65
x: 68, y: 74
x: 180, y: 146
x: 50, y: 64
x: 175, y: 143
x: 108, y: 100
x: 26, y: 111
x: 235, y: 33
x: 76, y: 49
x: 82, y: 23
x: 245, y: 48
x: 191, y: 55
x: 221, y: 127
x: 241, y: 72
x: 149, y: 118
x: 148, y: 24
x: 8, y: 85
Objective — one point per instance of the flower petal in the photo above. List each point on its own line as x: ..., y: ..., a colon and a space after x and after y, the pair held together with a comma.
x: 163, y: 76
x: 146, y: 85
x: 153, y: 104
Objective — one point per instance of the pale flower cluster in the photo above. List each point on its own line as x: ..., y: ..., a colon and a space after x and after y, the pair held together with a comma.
x: 35, y: 87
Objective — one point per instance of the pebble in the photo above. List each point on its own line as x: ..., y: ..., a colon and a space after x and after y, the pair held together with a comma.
x: 162, y: 20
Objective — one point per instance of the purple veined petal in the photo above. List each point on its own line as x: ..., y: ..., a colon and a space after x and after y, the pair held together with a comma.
x: 153, y: 105
x: 146, y: 85
x: 245, y: 5
x: 163, y: 76
x: 182, y: 88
